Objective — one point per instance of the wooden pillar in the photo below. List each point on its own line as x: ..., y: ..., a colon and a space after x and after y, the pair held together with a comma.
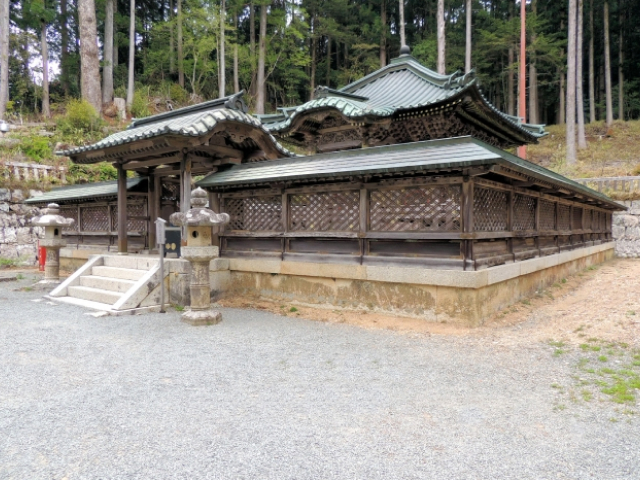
x: 467, y: 220
x: 537, y: 226
x: 185, y: 189
x: 511, y: 197
x: 364, y: 222
x: 214, y: 204
x: 285, y: 220
x: 122, y: 209
x: 151, y: 209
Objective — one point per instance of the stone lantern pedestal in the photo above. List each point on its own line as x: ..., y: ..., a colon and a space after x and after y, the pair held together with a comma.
x: 53, y: 224
x: 199, y: 252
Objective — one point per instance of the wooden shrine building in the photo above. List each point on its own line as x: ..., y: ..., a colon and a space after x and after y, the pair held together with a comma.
x: 405, y: 198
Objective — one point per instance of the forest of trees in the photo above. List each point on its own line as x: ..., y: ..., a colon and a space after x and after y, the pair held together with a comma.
x: 278, y: 51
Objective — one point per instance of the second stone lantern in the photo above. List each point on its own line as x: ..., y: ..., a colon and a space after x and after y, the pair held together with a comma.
x: 199, y: 252
x: 53, y: 224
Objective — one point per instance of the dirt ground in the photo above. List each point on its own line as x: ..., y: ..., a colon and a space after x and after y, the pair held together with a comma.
x: 602, y: 302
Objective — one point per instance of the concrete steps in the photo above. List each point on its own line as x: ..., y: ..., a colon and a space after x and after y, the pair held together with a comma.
x: 113, y: 283
x: 95, y: 294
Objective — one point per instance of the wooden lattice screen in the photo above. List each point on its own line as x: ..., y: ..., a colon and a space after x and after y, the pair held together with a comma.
x: 524, y: 213
x: 324, y: 212
x: 430, y: 208
x: 257, y: 214
x: 490, y: 210
x: 133, y: 224
x: 70, y: 211
x: 577, y: 219
x: 547, y: 215
x: 564, y: 217
x: 95, y: 219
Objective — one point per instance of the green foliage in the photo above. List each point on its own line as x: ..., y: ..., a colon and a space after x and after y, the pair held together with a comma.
x: 99, y: 172
x: 80, y: 116
x: 36, y: 148
x: 140, y: 105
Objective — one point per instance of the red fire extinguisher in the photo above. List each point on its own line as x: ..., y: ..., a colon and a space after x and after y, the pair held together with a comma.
x: 42, y: 257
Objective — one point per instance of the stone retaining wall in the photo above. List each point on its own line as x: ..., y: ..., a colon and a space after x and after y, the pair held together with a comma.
x: 18, y: 239
x: 626, y: 230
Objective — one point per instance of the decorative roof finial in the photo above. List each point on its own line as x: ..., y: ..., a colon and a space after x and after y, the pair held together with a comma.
x: 405, y: 50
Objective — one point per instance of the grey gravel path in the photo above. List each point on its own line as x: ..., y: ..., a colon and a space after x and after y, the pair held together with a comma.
x: 267, y: 397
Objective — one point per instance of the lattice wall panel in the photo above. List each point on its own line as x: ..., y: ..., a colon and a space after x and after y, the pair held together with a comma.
x: 524, y: 213
x: 430, y: 208
x: 95, y: 219
x: 254, y: 214
x: 547, y: 215
x: 564, y: 217
x: 325, y: 212
x: 136, y: 224
x: 577, y: 219
x: 133, y: 224
x: 70, y: 212
x: 489, y: 210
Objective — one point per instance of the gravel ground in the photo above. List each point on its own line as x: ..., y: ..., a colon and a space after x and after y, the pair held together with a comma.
x: 262, y: 396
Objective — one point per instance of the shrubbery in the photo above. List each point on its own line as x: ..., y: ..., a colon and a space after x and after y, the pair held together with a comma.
x: 80, y: 116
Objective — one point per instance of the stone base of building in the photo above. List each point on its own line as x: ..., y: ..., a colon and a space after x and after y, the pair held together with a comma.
x: 457, y: 297
x: 465, y: 298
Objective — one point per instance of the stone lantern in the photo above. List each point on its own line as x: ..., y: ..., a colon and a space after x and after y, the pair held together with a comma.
x: 53, y: 224
x: 199, y: 252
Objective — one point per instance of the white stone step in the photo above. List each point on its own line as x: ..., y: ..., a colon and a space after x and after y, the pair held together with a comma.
x: 94, y: 294
x: 130, y: 261
x: 106, y: 283
x: 83, y: 303
x: 122, y: 273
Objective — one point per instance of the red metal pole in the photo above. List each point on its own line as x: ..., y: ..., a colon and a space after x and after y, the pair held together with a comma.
x: 522, y: 106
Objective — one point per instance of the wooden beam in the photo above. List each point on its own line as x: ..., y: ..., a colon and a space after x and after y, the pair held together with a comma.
x: 185, y: 189
x: 221, y: 151
x: 122, y: 210
x: 152, y: 162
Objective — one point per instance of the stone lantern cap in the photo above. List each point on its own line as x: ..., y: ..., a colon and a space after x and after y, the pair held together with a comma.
x: 52, y: 218
x: 198, y: 215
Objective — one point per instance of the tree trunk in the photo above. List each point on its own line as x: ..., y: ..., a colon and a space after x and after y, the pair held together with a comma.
x: 562, y: 110
x: 607, y: 66
x: 511, y: 101
x: 89, y: 59
x: 132, y: 51
x: 592, y: 74
x: 236, y: 74
x: 582, y: 140
x: 107, y: 54
x: 441, y: 38
x: 467, y: 56
x: 533, y: 75
x: 46, y: 113
x: 327, y: 80
x: 252, y: 46
x: 571, y: 84
x: 179, y: 47
x: 620, y: 66
x: 222, y: 66
x: 64, y: 48
x: 314, y: 49
x: 172, y: 59
x: 262, y: 52
x: 402, y: 36
x: 383, y: 34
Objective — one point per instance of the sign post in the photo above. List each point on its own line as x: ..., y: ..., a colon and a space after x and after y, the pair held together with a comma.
x: 160, y: 241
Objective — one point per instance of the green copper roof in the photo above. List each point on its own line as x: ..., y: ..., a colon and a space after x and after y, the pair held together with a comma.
x: 427, y: 156
x: 404, y: 84
x: 193, y: 121
x: 83, y: 192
